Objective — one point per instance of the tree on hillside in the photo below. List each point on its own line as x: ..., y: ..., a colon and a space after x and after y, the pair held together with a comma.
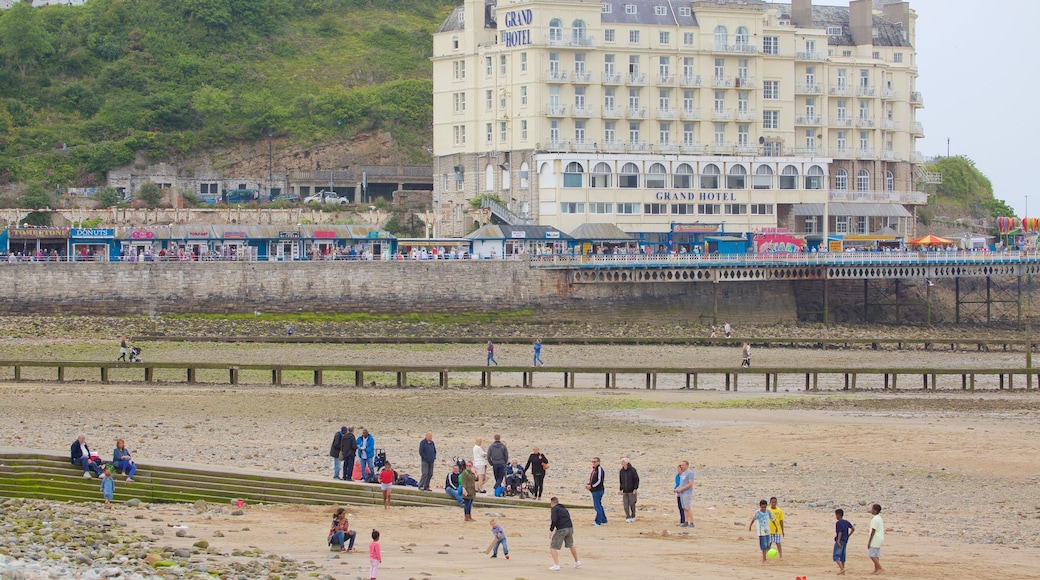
x: 35, y: 197
x: 998, y: 208
x: 23, y: 37
x: 963, y: 189
x: 149, y: 193
x: 107, y: 197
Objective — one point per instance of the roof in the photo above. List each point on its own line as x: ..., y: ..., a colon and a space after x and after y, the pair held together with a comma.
x: 646, y: 13
x: 510, y: 232
x: 823, y: 17
x: 601, y: 233
x: 853, y: 209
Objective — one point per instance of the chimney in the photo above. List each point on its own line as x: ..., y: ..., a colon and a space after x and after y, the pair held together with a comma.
x: 861, y: 22
x: 801, y: 13
x: 898, y: 12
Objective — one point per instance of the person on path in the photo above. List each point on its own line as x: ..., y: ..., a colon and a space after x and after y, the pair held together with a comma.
x: 108, y: 486
x: 877, y: 537
x: 746, y: 355
x: 727, y: 330
x: 375, y: 556
x: 349, y: 450
x: 842, y: 530
x: 776, y: 527
x: 336, y: 451
x: 491, y: 354
x: 428, y: 456
x: 595, y: 485
x: 629, y: 480
x: 684, y: 491
x: 538, y: 354
x: 536, y: 465
x: 479, y: 464
x: 763, y: 519
x: 498, y: 457
x: 561, y: 533
x: 366, y: 452
x: 122, y: 349
x: 714, y: 332
x: 469, y: 490
x: 500, y: 539
x: 678, y: 500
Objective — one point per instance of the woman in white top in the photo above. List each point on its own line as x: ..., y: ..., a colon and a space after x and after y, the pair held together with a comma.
x: 479, y: 465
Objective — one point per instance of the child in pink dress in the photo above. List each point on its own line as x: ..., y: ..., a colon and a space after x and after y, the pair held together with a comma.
x: 375, y: 556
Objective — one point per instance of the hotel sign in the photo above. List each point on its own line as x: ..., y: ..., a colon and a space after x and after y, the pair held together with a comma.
x: 517, y: 19
x: 695, y: 196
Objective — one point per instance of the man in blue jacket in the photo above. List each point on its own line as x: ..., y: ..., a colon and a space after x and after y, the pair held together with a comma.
x: 428, y: 455
x: 366, y: 451
x: 79, y: 453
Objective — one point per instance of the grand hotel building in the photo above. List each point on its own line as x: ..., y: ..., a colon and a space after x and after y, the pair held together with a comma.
x: 672, y: 118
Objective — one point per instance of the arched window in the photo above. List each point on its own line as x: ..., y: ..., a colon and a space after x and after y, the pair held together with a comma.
x: 546, y: 175
x: 814, y: 178
x: 489, y: 178
x: 789, y: 177
x: 555, y: 31
x: 572, y: 174
x: 721, y: 36
x: 524, y: 172
x: 629, y: 177
x: 600, y: 176
x: 683, y: 177
x: 710, y: 176
x: 862, y: 180
x: 763, y: 178
x: 737, y: 178
x: 578, y: 32
x: 741, y: 37
x: 655, y: 176
x: 890, y: 181
x: 841, y: 180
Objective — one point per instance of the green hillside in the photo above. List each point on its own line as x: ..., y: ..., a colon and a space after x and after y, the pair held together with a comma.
x: 86, y: 88
x: 965, y: 192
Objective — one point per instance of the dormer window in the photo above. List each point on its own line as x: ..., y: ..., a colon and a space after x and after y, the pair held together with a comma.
x: 630, y: 8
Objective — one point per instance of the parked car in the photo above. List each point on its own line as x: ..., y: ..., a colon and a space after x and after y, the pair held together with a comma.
x: 326, y: 197
x: 241, y: 195
x: 289, y: 197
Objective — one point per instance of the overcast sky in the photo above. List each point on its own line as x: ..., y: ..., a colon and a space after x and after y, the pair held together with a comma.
x: 974, y: 60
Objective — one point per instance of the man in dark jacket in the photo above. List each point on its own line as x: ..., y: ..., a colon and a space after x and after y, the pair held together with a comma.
x: 561, y: 533
x: 428, y: 455
x: 629, y: 479
x: 595, y: 485
x: 79, y: 454
x: 349, y: 454
x: 336, y: 451
x: 498, y: 457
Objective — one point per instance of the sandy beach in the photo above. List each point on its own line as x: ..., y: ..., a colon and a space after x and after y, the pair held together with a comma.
x: 955, y: 472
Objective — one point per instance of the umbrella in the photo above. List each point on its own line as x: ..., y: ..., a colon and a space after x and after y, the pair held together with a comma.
x: 930, y: 240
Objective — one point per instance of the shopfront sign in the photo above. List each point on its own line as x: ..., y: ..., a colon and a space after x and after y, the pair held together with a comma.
x: 289, y: 235
x: 235, y: 235
x: 198, y: 234
x: 552, y: 235
x: 325, y: 234
x: 695, y: 228
x: 37, y: 233
x: 142, y: 235
x: 92, y: 232
x: 518, y: 234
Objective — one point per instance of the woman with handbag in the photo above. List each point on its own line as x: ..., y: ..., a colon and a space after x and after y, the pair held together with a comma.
x: 468, y: 483
x: 537, y: 465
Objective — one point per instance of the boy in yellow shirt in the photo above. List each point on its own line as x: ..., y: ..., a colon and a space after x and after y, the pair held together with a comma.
x: 776, y: 527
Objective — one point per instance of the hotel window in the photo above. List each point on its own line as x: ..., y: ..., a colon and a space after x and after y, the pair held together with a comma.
x: 555, y: 31
x: 761, y: 209
x: 688, y: 71
x: 633, y: 64
x: 572, y: 207
x: 862, y: 180
x: 737, y: 177
x: 579, y: 132
x: 608, y: 34
x: 841, y: 180
x: 502, y: 100
x: 721, y: 36
x: 460, y: 134
x: 741, y: 37
x: 876, y: 55
x: 600, y: 207
x: 763, y: 178
x: 554, y: 63
x: 607, y: 8
x: 897, y: 57
x: 660, y: 10
x: 841, y: 224
x: 810, y: 107
x: 742, y: 66
x: 460, y: 69
x: 554, y: 131
x: 771, y: 90
x: 664, y: 37
x: 864, y: 141
x: 454, y: 42
x: 578, y: 32
x: 633, y: 36
x: 770, y: 45
x: 864, y: 77
x: 490, y: 133
x: 633, y: 133
x: 684, y: 209
x: 579, y: 98
x: 630, y: 8
x: 572, y: 174
x: 770, y: 119
x: 864, y: 110
x: 736, y: 209
x: 720, y: 68
x: 655, y: 208
x: 687, y: 135
x: 688, y: 101
x: 610, y: 132
x: 814, y: 178
x: 502, y: 64
x: 629, y: 177
x: 523, y: 96
x: 523, y: 130
x: 683, y: 177
x: 628, y: 208
x: 842, y: 143
x: 664, y: 67
x: 810, y: 75
x: 720, y: 134
x: 843, y: 112
x: 609, y: 102
x: 890, y: 181
x: 523, y: 62
x: 502, y: 131
x: 655, y: 176
x: 664, y: 100
x: 742, y: 135
x: 460, y: 102
x: 633, y: 99
x: 843, y: 79
x: 743, y: 104
x: 710, y: 177
x: 709, y: 209
x: 684, y: 11
x: 579, y: 63
x: 600, y: 176
x: 810, y: 224
x: 608, y: 64
x: 861, y: 224
x: 488, y: 67
x: 720, y: 101
x: 789, y: 177
x: 664, y: 134
x: 489, y: 98
x: 687, y: 38
x: 846, y: 53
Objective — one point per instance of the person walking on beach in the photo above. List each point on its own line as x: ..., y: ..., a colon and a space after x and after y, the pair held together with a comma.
x: 595, y: 485
x: 428, y: 456
x: 877, y: 537
x: 776, y: 527
x: 491, y: 354
x: 714, y: 332
x: 122, y: 349
x: 629, y: 480
x: 375, y: 556
x: 108, y: 486
x: 538, y: 353
x: 386, y: 483
x: 842, y: 530
x: 468, y: 483
x: 498, y: 457
x: 763, y: 519
x: 678, y: 500
x: 479, y: 467
x: 536, y: 465
x: 684, y: 491
x: 336, y: 451
x: 561, y: 533
x: 746, y: 356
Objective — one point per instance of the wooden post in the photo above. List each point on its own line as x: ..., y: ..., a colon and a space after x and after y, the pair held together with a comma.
x: 1001, y: 381
x: 191, y: 375
x: 359, y: 378
x: 606, y: 379
x: 104, y: 374
x: 924, y: 380
x: 483, y: 378
x: 276, y: 376
x: 816, y: 381
x: 895, y: 378
x: 233, y: 375
x: 972, y: 381
x: 767, y: 381
x: 964, y: 382
x: 318, y: 378
x: 61, y: 374
x: 149, y: 374
x: 727, y: 381
x: 736, y: 376
x: 806, y: 381
x: 444, y: 378
x: 776, y: 381
x: 933, y: 382
x: 846, y: 382
x: 648, y: 380
x: 687, y: 381
x: 695, y: 382
x: 886, y: 382
x: 1011, y: 381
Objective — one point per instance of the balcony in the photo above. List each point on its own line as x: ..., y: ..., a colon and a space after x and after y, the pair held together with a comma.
x: 666, y: 80
x: 838, y: 91
x: 866, y: 91
x: 916, y: 157
x: 808, y: 120
x: 865, y: 154
x: 909, y: 197
x: 613, y: 112
x: 810, y: 55
x: 582, y: 77
x: 745, y: 82
x: 889, y: 155
x: 613, y: 147
x: 889, y: 124
x: 572, y: 40
x: 584, y: 111
x: 842, y: 122
x: 916, y: 99
x: 722, y: 82
x: 690, y: 81
x: 690, y: 114
x: 746, y: 150
x: 889, y: 94
x: 739, y: 48
x: 556, y: 76
x: 722, y: 115
x: 917, y: 129
x: 635, y: 79
x: 808, y: 89
x: 637, y: 112
x: 841, y: 153
x: 637, y: 146
x: 806, y: 151
x: 556, y: 110
x: 666, y: 113
x: 562, y: 146
x: 746, y: 115
x: 692, y: 148
x: 611, y: 78
x: 668, y: 147
x: 584, y: 146
x: 720, y: 149
x: 865, y: 123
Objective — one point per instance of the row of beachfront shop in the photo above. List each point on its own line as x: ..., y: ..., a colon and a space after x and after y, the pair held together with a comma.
x: 328, y: 242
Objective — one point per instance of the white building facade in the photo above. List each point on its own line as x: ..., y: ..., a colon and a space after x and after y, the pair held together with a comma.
x: 671, y: 116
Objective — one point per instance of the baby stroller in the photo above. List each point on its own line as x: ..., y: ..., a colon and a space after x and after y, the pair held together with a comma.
x: 516, y: 485
x: 135, y: 354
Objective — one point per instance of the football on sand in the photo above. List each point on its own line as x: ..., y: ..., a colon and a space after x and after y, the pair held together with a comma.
x: 772, y: 554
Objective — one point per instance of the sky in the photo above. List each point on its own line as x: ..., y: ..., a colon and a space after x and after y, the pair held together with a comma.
x: 974, y: 77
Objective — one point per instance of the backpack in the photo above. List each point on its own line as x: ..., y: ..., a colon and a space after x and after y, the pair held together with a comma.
x: 461, y: 462
x: 380, y: 458
x: 410, y: 481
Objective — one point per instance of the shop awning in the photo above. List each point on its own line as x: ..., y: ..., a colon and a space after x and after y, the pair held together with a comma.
x: 840, y: 208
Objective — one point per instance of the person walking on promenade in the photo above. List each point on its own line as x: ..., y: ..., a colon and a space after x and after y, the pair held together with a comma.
x: 428, y: 456
x: 537, y: 464
x: 684, y: 490
x: 491, y: 354
x: 122, y: 349
x: 629, y: 480
x: 595, y: 485
x: 876, y: 538
x: 745, y: 361
x: 727, y: 330
x: 538, y: 354
x: 561, y: 533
